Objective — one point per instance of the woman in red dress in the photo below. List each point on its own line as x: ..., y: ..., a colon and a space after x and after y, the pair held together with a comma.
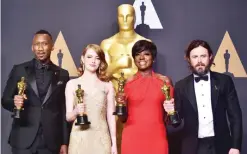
x: 144, y: 131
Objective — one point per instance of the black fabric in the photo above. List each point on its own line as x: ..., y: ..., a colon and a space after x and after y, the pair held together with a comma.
x: 205, y: 78
x: 45, y: 119
x: 206, y: 146
x: 225, y: 107
x: 43, y: 76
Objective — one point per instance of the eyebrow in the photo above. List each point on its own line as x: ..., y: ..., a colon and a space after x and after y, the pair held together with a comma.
x: 92, y: 55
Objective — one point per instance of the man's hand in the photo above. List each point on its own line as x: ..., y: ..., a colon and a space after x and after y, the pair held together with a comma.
x: 64, y: 149
x: 19, y: 101
x: 169, y: 105
x: 234, y: 151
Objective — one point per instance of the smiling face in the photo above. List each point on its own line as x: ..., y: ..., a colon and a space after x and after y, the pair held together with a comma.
x: 143, y: 60
x: 42, y: 46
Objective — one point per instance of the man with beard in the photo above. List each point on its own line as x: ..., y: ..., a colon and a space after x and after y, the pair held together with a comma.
x: 41, y: 127
x: 206, y: 101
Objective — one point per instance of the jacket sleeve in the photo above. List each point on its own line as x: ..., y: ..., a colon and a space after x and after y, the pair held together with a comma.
x: 234, y: 114
x: 10, y: 90
x: 178, y: 100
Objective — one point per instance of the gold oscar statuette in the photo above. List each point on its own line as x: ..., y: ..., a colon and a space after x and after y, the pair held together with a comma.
x: 21, y: 86
x: 121, y: 106
x: 172, y: 116
x: 82, y: 119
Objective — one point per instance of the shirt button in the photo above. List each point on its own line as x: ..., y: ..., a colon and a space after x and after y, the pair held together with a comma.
x: 202, y: 94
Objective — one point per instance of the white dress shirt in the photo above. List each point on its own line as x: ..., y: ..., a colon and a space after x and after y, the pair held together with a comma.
x: 205, y: 113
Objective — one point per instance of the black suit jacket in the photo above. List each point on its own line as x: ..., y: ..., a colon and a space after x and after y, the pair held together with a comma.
x: 50, y: 113
x: 225, y: 106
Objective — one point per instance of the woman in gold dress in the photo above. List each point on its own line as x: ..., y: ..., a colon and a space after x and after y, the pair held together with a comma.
x: 99, y: 137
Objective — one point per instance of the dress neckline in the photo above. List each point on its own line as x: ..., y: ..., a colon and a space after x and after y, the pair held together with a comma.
x: 139, y: 75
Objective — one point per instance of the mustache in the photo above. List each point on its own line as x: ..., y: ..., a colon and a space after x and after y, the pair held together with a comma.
x: 200, y: 64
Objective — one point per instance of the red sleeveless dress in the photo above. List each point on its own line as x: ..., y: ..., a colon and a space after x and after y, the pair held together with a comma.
x: 144, y: 131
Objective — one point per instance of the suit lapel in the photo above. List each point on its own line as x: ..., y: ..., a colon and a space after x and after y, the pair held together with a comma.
x: 214, y: 90
x: 191, y: 92
x: 53, y: 85
x: 31, y: 77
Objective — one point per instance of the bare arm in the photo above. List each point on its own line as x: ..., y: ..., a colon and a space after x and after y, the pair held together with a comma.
x: 110, y: 109
x: 71, y: 112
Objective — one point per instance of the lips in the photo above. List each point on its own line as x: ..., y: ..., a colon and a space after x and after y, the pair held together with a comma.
x: 200, y: 64
x: 92, y: 65
x: 41, y: 54
x: 142, y: 63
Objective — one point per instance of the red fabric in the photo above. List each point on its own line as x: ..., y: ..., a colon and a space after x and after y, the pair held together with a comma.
x: 144, y: 131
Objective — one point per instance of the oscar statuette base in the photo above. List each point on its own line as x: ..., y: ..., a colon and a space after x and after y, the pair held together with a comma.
x: 120, y: 110
x: 16, y: 113
x: 82, y: 120
x: 173, y: 118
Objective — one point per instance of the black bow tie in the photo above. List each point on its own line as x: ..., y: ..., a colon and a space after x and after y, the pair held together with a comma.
x: 42, y: 66
x: 205, y: 78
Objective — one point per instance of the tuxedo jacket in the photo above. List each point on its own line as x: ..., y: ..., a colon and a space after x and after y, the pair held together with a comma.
x: 225, y: 107
x: 50, y: 113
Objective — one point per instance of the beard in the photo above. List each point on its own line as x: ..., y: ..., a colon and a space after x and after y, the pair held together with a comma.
x: 200, y: 71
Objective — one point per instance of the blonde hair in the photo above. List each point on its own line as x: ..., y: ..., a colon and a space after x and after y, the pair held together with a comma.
x: 101, y: 71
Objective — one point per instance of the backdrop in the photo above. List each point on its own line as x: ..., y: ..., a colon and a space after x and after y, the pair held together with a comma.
x: 169, y: 24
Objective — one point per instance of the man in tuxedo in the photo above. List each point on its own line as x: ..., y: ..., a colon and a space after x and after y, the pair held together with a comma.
x: 42, y: 126
x: 206, y: 102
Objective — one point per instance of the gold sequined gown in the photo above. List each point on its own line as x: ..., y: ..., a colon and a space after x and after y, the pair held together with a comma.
x: 96, y: 138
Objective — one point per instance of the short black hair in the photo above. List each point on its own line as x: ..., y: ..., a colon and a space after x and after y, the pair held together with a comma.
x: 42, y: 31
x: 142, y: 45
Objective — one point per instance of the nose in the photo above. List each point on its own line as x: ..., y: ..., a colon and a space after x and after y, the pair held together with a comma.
x: 93, y: 61
x: 141, y: 57
x: 199, y: 60
x: 40, y: 47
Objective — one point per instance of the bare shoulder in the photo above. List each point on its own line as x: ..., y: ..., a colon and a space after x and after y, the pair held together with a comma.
x: 164, y: 78
x: 108, y: 84
x: 71, y: 86
x: 72, y: 82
